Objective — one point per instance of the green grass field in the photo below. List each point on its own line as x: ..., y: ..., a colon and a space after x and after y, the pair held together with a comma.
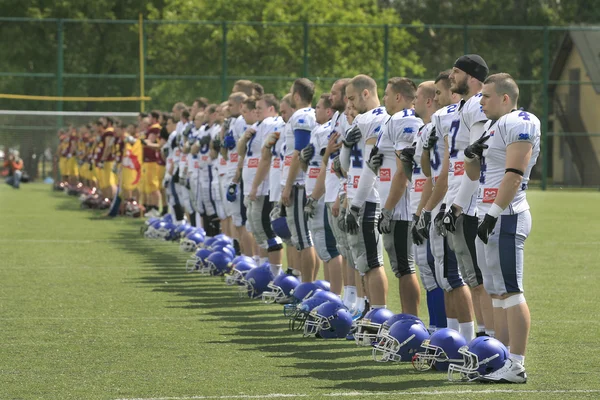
x: 90, y: 310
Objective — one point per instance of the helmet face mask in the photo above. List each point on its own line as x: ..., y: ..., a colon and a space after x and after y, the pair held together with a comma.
x: 401, y: 342
x: 482, y: 356
x: 441, y: 349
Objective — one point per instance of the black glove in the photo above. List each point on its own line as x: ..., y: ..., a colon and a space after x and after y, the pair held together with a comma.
x: 475, y: 149
x: 384, y: 224
x: 352, y: 220
x: 486, y: 227
x: 217, y: 144
x: 431, y: 140
x: 337, y: 166
x: 187, y: 131
x: 342, y: 220
x: 187, y: 184
x: 450, y: 219
x: 407, y: 156
x: 205, y: 140
x: 353, y: 136
x: 438, y: 221
x: 311, y: 207
x: 375, y: 160
x: 424, y: 224
x: 307, y: 153
x: 416, y: 236
x: 227, y: 124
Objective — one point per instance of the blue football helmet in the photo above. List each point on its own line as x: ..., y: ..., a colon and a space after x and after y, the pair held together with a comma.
x: 239, y: 271
x: 302, y: 292
x: 330, y: 320
x: 196, y: 262
x: 401, y: 342
x: 181, y: 228
x: 167, y: 218
x: 368, y: 326
x: 221, y: 248
x: 151, y: 231
x: 440, y: 350
x: 165, y: 230
x: 191, y: 241
x: 482, y: 356
x: 385, y: 327
x: 186, y: 231
x: 323, y: 285
x: 280, y: 289
x: 281, y: 228
x: 327, y: 296
x: 242, y: 258
x: 219, y: 263
x: 224, y: 237
x: 302, y: 310
x: 256, y: 282
x: 209, y: 242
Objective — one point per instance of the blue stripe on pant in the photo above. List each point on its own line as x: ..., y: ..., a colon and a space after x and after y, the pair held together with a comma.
x: 330, y: 242
x: 508, y: 252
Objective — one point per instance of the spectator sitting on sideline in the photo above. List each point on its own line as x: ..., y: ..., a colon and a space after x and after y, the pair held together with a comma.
x: 14, y: 164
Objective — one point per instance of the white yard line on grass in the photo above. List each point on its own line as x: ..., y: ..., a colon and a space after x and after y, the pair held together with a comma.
x: 367, y: 394
x: 71, y: 240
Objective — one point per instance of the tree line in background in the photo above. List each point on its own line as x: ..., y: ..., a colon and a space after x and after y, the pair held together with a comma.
x: 266, y: 51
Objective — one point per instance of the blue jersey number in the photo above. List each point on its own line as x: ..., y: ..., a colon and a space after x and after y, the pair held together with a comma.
x: 357, y: 157
x: 524, y: 115
x: 408, y: 112
x: 378, y: 111
x: 453, y: 133
x: 249, y: 146
x: 483, y: 169
x: 435, y: 160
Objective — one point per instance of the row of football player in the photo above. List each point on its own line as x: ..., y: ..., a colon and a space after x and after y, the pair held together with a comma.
x: 299, y: 155
x: 313, y: 309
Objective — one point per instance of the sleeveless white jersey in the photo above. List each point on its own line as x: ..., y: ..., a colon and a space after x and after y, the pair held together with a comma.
x: 418, y: 177
x: 333, y: 184
x: 515, y: 127
x: 303, y: 119
x: 237, y: 128
x: 318, y: 138
x: 252, y: 158
x: 370, y: 124
x: 459, y: 137
x: 398, y: 132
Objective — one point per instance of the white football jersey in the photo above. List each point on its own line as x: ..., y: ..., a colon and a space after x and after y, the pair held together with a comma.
x: 183, y: 157
x: 459, y: 137
x: 274, y: 177
x: 318, y: 138
x: 237, y: 128
x: 193, y: 161
x: 303, y: 119
x: 286, y: 151
x: 369, y: 123
x: 442, y: 121
x: 171, y: 157
x: 333, y: 184
x: 418, y: 177
x: 397, y: 133
x: 252, y: 158
x: 515, y: 127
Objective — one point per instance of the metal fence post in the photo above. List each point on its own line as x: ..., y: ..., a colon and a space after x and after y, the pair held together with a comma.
x: 224, y: 62
x: 466, y: 39
x: 386, y: 50
x: 305, y: 54
x: 59, y: 67
x: 545, y: 107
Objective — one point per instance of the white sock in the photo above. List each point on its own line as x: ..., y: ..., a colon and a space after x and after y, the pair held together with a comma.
x: 263, y: 260
x: 490, y: 333
x: 452, y: 323
x: 345, y: 295
x: 351, y: 297
x: 517, y: 357
x: 275, y: 269
x: 467, y: 330
x: 256, y: 260
x: 360, y: 304
x: 480, y: 328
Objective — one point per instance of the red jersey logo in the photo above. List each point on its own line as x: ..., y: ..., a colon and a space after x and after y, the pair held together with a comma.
x: 223, y: 162
x: 313, y: 173
x: 277, y: 162
x: 385, y: 175
x: 489, y: 195
x: 196, y: 165
x: 419, y: 184
x: 253, y: 163
x: 204, y: 158
x: 459, y: 168
x: 233, y: 157
x: 287, y: 161
x: 355, y: 182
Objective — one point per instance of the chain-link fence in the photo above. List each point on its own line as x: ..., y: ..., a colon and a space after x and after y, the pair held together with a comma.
x: 557, y: 68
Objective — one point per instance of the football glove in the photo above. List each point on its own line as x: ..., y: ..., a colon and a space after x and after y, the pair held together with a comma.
x: 438, y: 221
x: 450, y: 219
x: 475, y: 150
x: 486, y: 228
x: 424, y: 224
x: 275, y: 212
x: 311, y: 207
x: 352, y: 220
x: 307, y: 153
x: 375, y: 160
x: 384, y: 225
x: 342, y: 220
x: 416, y: 236
x: 204, y: 140
x: 217, y: 144
x: 232, y: 192
x: 353, y: 136
x: 337, y: 166
x: 407, y: 157
x: 431, y: 140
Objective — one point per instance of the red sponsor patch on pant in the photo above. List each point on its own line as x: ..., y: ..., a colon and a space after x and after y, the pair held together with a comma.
x: 385, y: 175
x: 489, y: 195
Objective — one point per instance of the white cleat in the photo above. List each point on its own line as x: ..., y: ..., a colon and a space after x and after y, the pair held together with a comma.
x: 152, y: 214
x: 511, y: 372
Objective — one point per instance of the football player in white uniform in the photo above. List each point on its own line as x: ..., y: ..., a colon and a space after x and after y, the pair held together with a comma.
x: 363, y: 212
x: 434, y: 161
x: 258, y: 203
x: 398, y: 133
x: 498, y: 166
x: 293, y: 195
x: 318, y: 221
x: 466, y: 79
x: 221, y: 163
x: 420, y: 191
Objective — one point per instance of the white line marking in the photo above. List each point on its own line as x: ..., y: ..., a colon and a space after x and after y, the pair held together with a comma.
x: 367, y: 394
x: 16, y: 241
